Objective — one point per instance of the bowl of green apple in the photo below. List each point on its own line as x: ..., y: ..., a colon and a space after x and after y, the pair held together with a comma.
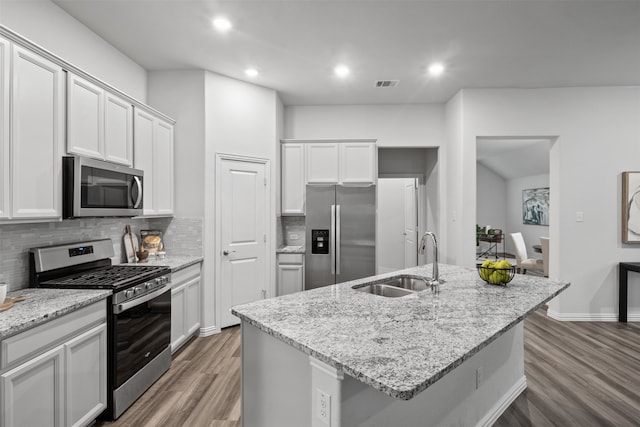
x: 496, y: 273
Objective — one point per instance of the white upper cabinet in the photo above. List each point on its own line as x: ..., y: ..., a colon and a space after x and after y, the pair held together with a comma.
x: 99, y: 123
x: 357, y: 163
x: 5, y: 60
x: 38, y: 127
x: 153, y: 153
x: 322, y: 163
x: 85, y: 117
x: 118, y: 130
x: 293, y: 179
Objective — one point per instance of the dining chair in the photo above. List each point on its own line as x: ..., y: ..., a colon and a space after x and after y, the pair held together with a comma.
x: 523, y: 262
x: 544, y: 242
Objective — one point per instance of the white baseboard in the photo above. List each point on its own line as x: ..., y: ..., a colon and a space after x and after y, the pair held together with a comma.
x: 210, y: 330
x: 503, y: 403
x: 590, y: 317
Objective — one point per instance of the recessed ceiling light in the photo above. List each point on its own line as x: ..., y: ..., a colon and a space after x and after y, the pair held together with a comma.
x: 436, y: 69
x: 251, y: 72
x: 222, y: 24
x: 341, y: 71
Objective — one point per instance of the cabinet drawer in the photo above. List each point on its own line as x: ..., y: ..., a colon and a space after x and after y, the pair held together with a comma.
x: 185, y: 274
x: 34, y: 341
x: 290, y: 258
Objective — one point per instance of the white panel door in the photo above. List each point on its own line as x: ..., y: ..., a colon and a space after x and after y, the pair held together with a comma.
x: 163, y: 168
x: 38, y: 123
x: 243, y: 207
x: 5, y: 60
x: 33, y: 393
x: 322, y: 163
x: 143, y: 155
x: 85, y: 118
x: 396, y: 224
x: 410, y: 222
x: 357, y: 163
x: 118, y: 130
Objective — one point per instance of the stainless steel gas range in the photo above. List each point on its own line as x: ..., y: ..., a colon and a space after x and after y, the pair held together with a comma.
x: 139, y: 312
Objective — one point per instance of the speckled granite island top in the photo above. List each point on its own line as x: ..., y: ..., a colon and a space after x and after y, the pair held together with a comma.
x: 44, y: 305
x: 400, y: 346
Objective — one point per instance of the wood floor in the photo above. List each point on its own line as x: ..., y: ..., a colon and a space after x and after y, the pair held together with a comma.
x: 578, y: 373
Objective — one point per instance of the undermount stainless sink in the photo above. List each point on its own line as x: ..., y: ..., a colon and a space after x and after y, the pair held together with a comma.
x: 394, y: 287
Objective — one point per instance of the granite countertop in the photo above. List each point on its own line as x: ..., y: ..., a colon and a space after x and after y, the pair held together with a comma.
x: 44, y: 305
x: 174, y: 262
x: 290, y: 250
x: 400, y: 346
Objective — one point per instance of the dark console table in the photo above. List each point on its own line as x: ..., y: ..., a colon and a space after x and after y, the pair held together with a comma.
x: 623, y: 271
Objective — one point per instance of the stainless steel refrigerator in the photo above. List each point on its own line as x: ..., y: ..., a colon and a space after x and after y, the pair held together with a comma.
x: 340, y: 234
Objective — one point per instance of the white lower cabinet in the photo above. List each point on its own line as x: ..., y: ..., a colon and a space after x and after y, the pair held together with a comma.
x: 185, y: 305
x: 290, y: 273
x: 55, y: 374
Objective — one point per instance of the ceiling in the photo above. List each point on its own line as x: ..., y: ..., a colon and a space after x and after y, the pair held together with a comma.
x: 514, y: 158
x: 295, y: 44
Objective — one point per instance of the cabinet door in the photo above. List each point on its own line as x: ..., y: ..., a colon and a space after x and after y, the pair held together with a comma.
x: 193, y: 306
x: 293, y: 179
x: 118, y: 130
x: 178, y: 317
x: 86, y: 373
x: 85, y: 118
x: 33, y: 393
x: 322, y: 163
x: 143, y: 155
x: 290, y: 278
x: 357, y: 163
x: 5, y: 59
x: 163, y: 168
x: 38, y: 130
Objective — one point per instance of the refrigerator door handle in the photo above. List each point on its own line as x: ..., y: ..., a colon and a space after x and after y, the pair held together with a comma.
x: 331, y: 239
x: 338, y: 242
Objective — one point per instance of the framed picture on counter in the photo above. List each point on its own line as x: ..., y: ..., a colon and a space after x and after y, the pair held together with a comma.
x: 152, y: 240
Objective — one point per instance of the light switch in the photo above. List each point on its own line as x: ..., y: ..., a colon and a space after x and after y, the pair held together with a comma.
x: 579, y: 216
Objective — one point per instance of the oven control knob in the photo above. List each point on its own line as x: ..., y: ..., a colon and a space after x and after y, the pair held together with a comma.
x: 128, y: 293
x: 137, y: 290
x: 148, y: 285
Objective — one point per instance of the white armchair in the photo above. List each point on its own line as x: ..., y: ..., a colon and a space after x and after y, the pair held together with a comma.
x: 523, y: 262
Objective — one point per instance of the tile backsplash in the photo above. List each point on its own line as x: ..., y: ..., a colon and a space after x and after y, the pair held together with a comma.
x: 182, y: 236
x: 293, y: 230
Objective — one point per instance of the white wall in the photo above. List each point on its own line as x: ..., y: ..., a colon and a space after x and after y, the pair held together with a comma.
x: 596, y: 133
x: 420, y: 125
x: 531, y: 233
x: 181, y: 95
x: 47, y: 25
x: 491, y: 202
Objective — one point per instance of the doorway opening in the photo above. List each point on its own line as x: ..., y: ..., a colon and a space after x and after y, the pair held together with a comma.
x: 508, y: 171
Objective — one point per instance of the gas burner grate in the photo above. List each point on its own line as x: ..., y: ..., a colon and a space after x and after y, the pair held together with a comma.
x: 111, y: 277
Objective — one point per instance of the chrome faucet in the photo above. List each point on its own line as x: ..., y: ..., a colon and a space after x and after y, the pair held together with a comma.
x: 434, y: 282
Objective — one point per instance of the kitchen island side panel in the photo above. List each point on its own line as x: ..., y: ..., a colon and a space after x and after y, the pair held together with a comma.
x: 276, y: 382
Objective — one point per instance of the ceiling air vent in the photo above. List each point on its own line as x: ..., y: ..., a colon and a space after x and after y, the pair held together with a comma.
x: 387, y: 83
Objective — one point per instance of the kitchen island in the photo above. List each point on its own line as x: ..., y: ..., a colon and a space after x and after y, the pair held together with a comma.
x: 335, y: 356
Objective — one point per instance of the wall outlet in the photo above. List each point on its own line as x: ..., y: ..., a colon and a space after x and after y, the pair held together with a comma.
x: 479, y: 377
x: 293, y: 236
x: 579, y: 216
x: 323, y: 409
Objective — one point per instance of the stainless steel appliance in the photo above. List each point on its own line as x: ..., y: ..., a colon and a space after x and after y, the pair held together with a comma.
x: 97, y: 188
x: 340, y: 234
x: 138, y: 312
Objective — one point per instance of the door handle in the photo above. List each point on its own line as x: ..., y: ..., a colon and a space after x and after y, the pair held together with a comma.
x: 227, y: 252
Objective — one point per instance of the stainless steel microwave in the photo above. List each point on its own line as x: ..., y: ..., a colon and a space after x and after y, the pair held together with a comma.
x: 95, y: 188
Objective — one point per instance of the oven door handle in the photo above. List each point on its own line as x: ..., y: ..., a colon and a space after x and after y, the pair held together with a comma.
x: 119, y: 308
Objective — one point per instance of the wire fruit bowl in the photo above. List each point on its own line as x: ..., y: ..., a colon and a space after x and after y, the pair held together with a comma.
x: 496, y: 276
